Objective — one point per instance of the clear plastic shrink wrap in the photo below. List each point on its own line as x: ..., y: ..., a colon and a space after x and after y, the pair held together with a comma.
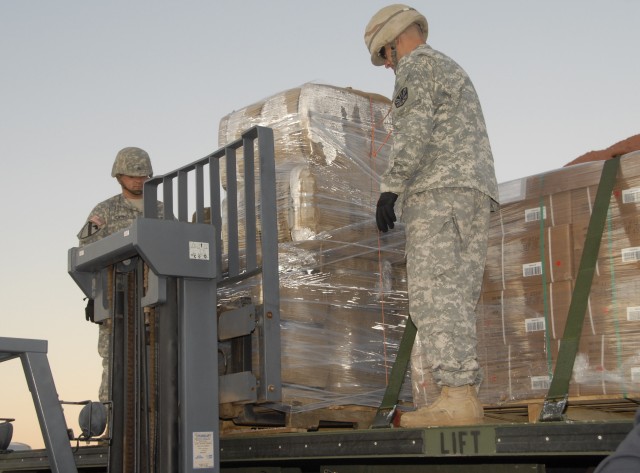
x: 343, y: 287
x: 535, y: 249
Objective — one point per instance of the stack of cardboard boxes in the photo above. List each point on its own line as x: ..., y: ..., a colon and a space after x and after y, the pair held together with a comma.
x: 343, y: 286
x: 535, y: 250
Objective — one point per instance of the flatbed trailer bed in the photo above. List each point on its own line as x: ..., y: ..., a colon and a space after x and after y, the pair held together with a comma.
x: 558, y: 446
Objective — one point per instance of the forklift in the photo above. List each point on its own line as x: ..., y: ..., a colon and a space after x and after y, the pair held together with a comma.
x: 175, y: 354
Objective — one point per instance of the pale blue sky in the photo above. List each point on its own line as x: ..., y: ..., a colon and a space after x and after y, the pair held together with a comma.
x: 81, y: 79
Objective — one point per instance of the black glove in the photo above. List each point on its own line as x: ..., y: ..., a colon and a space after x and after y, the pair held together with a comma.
x: 385, y: 216
x: 88, y: 312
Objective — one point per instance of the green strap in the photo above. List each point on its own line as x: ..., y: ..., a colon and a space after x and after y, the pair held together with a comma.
x: 545, y: 293
x: 555, y: 401
x: 385, y: 412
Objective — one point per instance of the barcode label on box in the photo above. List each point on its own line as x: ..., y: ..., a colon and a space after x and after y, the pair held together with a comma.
x: 635, y: 374
x: 631, y: 196
x: 533, y: 215
x: 540, y: 382
x: 633, y: 314
x: 630, y: 255
x: 531, y: 269
x: 536, y: 324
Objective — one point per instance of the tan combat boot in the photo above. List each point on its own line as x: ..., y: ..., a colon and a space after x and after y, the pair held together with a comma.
x: 454, y: 406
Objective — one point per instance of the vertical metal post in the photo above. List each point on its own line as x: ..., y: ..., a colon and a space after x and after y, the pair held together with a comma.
x: 232, y: 246
x: 216, y: 208
x: 271, y: 388
x: 116, y: 382
x: 168, y: 439
x: 198, y: 378
x: 250, y: 223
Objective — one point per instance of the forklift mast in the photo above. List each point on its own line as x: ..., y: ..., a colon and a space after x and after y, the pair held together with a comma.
x: 157, y: 283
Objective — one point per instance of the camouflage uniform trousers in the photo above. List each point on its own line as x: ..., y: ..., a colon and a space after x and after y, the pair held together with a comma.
x: 104, y: 350
x: 446, y: 245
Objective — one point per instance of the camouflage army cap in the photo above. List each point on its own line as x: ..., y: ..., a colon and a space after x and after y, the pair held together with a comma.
x: 132, y: 162
x: 387, y: 24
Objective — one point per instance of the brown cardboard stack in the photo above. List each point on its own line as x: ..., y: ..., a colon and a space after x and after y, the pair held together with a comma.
x: 330, y: 146
x: 342, y: 289
x: 535, y: 249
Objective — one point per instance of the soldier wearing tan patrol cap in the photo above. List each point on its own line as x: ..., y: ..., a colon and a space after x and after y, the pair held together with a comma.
x: 441, y: 180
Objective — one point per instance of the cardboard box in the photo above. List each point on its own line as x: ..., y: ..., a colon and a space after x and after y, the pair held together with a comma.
x: 619, y: 246
x: 529, y: 259
x: 530, y: 215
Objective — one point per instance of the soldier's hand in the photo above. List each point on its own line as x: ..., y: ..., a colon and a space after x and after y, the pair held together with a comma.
x: 88, y: 312
x: 385, y: 215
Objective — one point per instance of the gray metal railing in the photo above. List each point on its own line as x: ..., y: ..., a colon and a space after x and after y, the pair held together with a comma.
x: 245, y: 169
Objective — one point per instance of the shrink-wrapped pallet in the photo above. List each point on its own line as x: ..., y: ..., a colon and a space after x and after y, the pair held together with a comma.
x: 534, y: 257
x: 342, y: 286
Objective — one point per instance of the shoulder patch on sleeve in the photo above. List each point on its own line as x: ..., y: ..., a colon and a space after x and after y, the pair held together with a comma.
x: 95, y: 219
x: 401, y: 98
x: 93, y: 226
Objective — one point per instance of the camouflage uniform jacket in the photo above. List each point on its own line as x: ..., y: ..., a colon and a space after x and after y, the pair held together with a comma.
x: 109, y: 216
x: 440, y: 137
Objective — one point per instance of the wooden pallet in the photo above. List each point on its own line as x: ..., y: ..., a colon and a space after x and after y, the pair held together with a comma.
x: 584, y: 408
x: 330, y: 418
x: 336, y: 417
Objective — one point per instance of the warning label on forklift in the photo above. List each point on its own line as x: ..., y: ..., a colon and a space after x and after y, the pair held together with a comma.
x: 199, y: 250
x: 202, y: 450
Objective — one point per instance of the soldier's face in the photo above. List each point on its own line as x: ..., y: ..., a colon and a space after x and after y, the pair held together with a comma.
x: 132, y: 185
x: 386, y: 53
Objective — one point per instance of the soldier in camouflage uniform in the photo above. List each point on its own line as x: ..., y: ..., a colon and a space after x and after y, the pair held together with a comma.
x: 442, y: 176
x: 132, y: 167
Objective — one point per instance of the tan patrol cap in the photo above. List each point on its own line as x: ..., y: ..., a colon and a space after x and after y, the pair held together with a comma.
x: 387, y: 24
